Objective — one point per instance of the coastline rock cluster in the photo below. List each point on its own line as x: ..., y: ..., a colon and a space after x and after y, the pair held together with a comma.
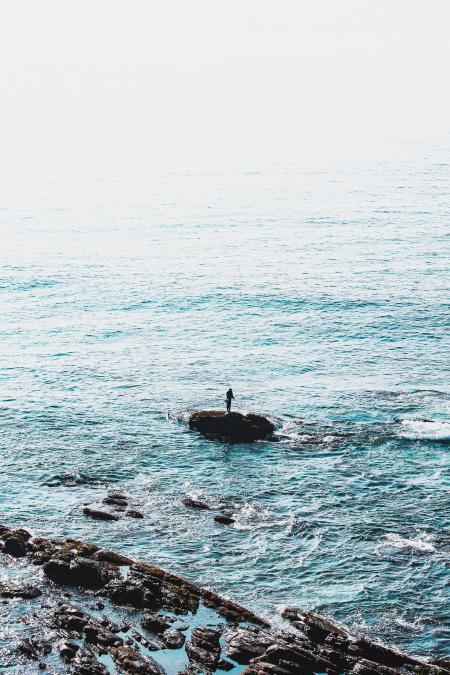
x: 231, y: 426
x: 98, y: 612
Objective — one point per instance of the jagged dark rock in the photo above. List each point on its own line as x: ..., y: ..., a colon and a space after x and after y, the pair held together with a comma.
x: 119, y: 507
x: 34, y: 648
x: 85, y: 663
x: 172, y: 638
x: 156, y: 623
x: 129, y: 660
x: 115, y: 494
x: 71, y: 618
x: 204, y: 647
x: 231, y: 426
x: 15, y: 545
x: 73, y: 549
x: 98, y: 635
x: 244, y: 644
x: 14, y: 590
x: 81, y: 572
x: 41, y: 550
x: 112, y: 557
x: 68, y: 650
x: 314, y: 627
x: 365, y: 667
x: 126, y: 593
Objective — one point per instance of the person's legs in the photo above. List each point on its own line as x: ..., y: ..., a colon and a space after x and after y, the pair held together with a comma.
x: 228, y: 405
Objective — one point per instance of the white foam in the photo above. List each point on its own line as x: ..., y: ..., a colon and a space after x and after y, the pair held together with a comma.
x: 403, y: 542
x: 435, y: 431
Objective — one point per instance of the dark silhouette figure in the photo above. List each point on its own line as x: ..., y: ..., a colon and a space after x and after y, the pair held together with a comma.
x: 229, y: 397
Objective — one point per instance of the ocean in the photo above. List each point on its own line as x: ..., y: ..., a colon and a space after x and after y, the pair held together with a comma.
x: 319, y: 291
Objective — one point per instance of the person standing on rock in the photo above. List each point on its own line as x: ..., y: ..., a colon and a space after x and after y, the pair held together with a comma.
x: 228, y: 400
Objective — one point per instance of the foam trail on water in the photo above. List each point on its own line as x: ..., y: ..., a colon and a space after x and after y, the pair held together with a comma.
x: 404, y: 542
x: 425, y: 430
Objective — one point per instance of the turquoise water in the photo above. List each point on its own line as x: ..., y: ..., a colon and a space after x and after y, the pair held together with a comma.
x: 321, y: 296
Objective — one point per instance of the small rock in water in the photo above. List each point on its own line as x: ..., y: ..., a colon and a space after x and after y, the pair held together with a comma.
x: 134, y: 514
x: 99, y: 514
x: 225, y: 520
x: 194, y: 503
x: 115, y: 494
x: 115, y: 501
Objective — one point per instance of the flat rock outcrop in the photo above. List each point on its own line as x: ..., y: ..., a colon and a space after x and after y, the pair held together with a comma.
x: 92, y: 611
x: 231, y: 426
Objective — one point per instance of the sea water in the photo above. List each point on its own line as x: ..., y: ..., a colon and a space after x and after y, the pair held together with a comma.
x: 317, y: 290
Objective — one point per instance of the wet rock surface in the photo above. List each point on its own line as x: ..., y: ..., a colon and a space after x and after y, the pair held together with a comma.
x: 224, y: 520
x: 194, y: 504
x: 113, y: 507
x: 232, y: 426
x: 88, y: 611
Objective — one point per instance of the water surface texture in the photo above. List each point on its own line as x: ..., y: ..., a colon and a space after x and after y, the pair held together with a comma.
x: 321, y: 296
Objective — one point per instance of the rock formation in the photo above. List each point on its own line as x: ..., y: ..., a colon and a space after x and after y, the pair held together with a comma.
x: 88, y: 607
x: 232, y: 426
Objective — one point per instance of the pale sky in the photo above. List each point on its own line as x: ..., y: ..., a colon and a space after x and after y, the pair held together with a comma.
x: 94, y: 78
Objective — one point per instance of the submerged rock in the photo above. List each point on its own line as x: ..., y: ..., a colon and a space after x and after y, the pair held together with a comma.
x: 194, y: 503
x: 232, y: 426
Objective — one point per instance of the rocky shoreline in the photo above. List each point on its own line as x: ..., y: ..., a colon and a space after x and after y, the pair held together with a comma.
x: 90, y: 611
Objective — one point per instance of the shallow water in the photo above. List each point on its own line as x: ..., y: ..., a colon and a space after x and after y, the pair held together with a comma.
x: 321, y: 297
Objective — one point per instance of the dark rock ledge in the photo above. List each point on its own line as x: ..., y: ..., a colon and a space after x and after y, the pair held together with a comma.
x: 232, y: 426
x: 92, y: 611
